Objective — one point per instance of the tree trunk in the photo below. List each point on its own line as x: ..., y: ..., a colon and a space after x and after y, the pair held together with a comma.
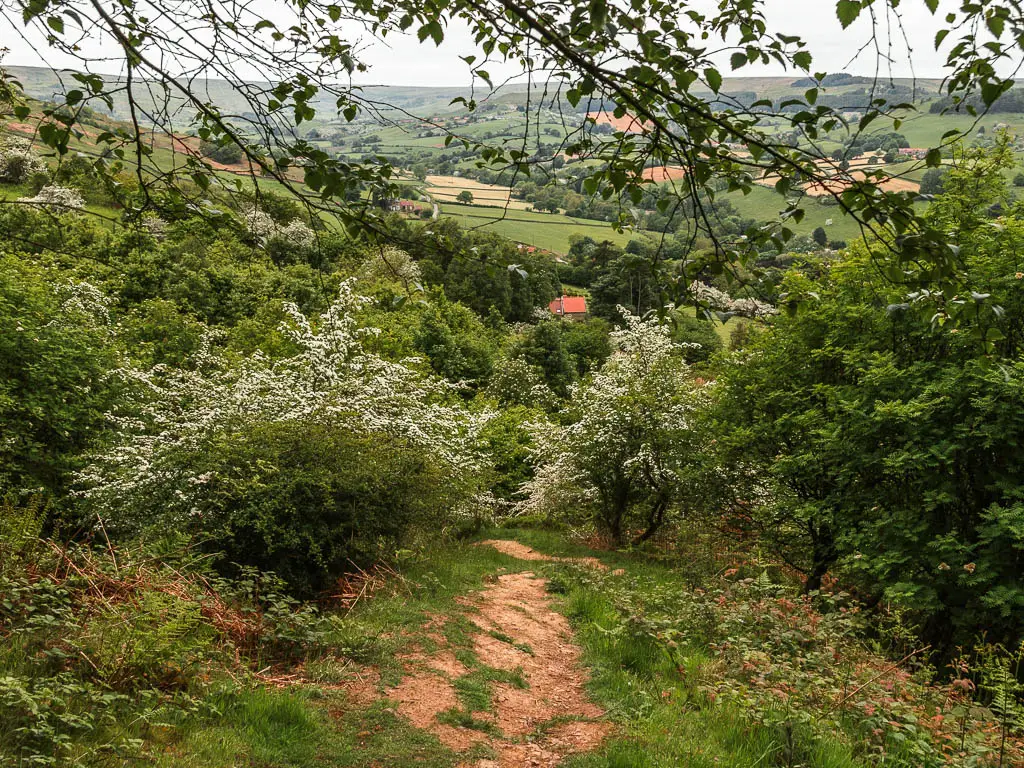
x: 823, y: 555
x: 655, y: 519
x: 615, y: 508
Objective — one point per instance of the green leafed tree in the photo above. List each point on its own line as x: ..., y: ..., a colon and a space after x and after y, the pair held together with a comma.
x: 874, y: 435
x: 646, y: 61
x: 57, y: 355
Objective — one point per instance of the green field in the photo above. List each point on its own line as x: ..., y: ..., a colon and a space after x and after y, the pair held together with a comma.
x: 925, y: 130
x: 544, y: 230
x: 499, y: 126
x: 765, y: 204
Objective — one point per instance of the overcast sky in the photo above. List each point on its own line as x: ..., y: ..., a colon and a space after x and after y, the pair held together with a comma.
x: 404, y: 61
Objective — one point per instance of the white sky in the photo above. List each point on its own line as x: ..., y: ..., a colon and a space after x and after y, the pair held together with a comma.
x: 404, y: 61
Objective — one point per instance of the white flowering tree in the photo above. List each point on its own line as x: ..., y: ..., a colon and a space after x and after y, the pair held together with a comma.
x: 631, y: 451
x: 157, y: 469
x: 57, y: 199
x: 18, y: 160
x: 262, y: 228
x: 720, y: 300
x: 392, y: 265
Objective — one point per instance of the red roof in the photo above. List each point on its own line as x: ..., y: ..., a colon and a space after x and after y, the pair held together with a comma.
x: 569, y: 305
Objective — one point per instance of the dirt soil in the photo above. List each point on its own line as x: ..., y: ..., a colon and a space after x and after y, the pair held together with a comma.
x: 523, y: 552
x: 663, y: 173
x: 518, y: 630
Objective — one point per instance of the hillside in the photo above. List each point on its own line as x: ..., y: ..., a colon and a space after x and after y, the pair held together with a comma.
x: 44, y: 84
x: 660, y: 418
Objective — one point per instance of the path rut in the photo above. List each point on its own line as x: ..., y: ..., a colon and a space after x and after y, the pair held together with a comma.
x: 517, y: 630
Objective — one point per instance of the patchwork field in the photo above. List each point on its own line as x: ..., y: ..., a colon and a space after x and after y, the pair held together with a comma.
x: 662, y: 173
x: 544, y: 230
x: 446, y: 189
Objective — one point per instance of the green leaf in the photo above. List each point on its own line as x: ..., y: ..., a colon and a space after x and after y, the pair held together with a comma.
x: 996, y: 25
x: 848, y: 11
x: 802, y: 59
x: 934, y: 158
x: 738, y: 60
x: 714, y: 79
x: 992, y: 90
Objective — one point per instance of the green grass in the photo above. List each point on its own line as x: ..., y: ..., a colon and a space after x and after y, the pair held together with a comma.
x: 665, y: 719
x: 925, y: 130
x: 668, y: 706
x: 723, y: 330
x: 307, y: 727
x: 275, y: 729
x: 765, y: 204
x: 543, y: 230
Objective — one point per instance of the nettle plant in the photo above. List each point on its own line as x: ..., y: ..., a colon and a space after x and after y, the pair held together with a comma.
x: 163, y: 462
x: 631, y: 448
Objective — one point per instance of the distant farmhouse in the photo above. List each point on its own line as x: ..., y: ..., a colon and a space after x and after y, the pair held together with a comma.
x: 401, y: 206
x: 569, y: 306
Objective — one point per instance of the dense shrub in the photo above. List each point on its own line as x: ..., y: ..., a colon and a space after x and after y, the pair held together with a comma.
x: 55, y: 355
x: 308, y: 500
x: 228, y: 153
x: 18, y: 160
x: 698, y: 338
x: 298, y: 463
x: 878, y: 439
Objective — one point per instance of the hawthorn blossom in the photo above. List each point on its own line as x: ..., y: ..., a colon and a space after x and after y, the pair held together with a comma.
x: 155, y: 226
x: 84, y: 301
x: 18, y: 160
x: 392, y: 265
x: 515, y: 382
x: 259, y: 224
x: 296, y: 233
x: 332, y: 379
x: 262, y: 228
x: 720, y: 300
x: 632, y: 436
x: 57, y: 199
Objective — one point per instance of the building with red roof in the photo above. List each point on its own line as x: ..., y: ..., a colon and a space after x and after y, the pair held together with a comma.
x: 569, y: 306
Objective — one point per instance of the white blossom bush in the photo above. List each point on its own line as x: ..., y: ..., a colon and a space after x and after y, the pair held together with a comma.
x: 632, y: 450
x: 18, y: 160
x: 296, y: 233
x: 165, y: 466
x: 84, y: 302
x: 155, y: 226
x: 720, y: 300
x: 57, y: 199
x: 515, y: 382
x: 262, y: 228
x: 259, y: 224
x: 391, y: 265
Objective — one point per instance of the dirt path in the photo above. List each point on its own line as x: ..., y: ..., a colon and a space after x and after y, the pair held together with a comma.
x: 539, y: 711
x: 523, y: 552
